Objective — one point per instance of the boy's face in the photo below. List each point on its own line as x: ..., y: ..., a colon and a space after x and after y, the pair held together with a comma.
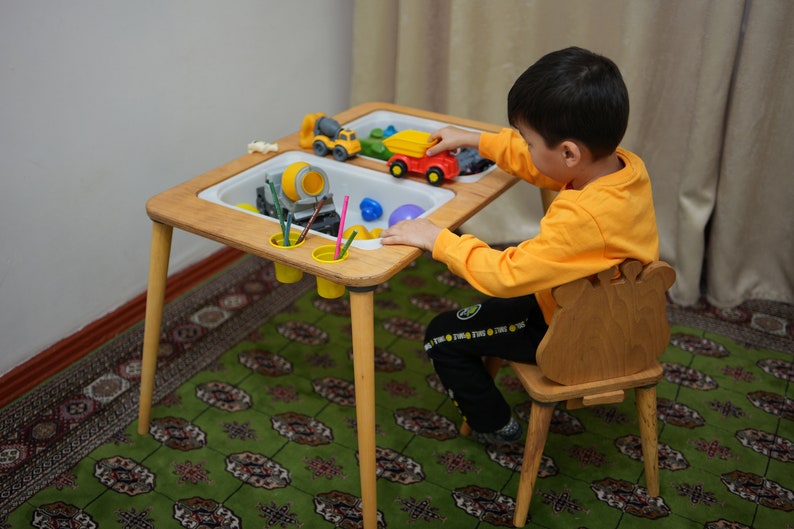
x: 549, y: 161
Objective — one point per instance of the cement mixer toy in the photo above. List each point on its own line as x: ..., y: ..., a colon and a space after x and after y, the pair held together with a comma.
x: 299, y: 190
x: 324, y: 135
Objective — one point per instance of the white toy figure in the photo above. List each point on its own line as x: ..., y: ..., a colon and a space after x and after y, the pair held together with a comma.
x: 261, y: 146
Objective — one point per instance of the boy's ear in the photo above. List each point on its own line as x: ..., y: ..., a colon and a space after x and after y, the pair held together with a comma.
x: 571, y: 153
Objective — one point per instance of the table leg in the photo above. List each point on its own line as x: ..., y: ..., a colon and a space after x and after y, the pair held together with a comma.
x: 155, y: 298
x: 362, y: 320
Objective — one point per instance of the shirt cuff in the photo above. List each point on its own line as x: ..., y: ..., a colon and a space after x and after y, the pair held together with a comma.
x: 444, y: 240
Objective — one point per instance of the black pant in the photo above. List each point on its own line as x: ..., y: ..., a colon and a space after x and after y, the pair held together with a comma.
x: 456, y: 341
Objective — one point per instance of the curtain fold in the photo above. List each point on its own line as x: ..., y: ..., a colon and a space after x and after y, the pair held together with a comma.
x: 695, y: 96
x: 750, y: 251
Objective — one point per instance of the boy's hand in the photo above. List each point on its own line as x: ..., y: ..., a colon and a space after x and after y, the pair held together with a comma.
x: 415, y: 232
x: 452, y: 138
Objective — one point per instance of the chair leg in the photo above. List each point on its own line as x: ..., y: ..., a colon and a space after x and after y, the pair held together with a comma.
x: 537, y: 431
x: 646, y: 411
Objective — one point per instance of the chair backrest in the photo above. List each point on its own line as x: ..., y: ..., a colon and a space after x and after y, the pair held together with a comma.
x: 608, y: 325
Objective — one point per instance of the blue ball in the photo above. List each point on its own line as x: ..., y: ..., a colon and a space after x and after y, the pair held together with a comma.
x: 370, y: 209
x: 405, y: 212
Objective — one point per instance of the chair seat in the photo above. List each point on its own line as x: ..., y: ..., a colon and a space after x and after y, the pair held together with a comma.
x: 541, y: 389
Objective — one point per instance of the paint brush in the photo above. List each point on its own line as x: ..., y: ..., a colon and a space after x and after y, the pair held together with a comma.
x: 341, y: 228
x: 347, y: 244
x: 317, y: 209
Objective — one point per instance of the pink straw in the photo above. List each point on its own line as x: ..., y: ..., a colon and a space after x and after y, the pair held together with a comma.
x: 341, y: 228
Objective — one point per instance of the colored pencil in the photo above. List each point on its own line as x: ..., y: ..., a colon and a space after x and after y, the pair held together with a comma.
x: 317, y: 209
x: 347, y: 244
x: 341, y: 228
x: 278, y: 211
x: 288, y: 226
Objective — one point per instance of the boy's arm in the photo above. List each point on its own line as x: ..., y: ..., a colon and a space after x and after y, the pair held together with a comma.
x: 452, y: 138
x: 509, y: 150
x: 569, y: 246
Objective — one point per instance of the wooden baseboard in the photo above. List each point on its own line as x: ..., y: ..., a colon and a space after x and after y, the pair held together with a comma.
x: 57, y: 357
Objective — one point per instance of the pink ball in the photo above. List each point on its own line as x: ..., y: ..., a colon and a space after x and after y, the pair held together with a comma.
x: 405, y: 212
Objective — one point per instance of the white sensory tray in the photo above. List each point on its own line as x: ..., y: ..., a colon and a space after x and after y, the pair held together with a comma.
x: 343, y: 179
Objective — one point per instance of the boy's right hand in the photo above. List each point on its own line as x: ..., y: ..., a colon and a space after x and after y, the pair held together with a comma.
x: 453, y: 138
x: 420, y: 232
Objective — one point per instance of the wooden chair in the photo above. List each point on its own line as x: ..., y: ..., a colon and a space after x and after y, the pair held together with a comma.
x: 604, y: 338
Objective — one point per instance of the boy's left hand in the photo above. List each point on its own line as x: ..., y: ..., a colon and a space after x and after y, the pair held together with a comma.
x: 415, y: 232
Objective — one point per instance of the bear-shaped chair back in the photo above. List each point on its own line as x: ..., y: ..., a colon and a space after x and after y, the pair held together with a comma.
x: 608, y: 325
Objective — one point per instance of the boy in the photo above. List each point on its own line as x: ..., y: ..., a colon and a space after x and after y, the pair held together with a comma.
x: 570, y: 110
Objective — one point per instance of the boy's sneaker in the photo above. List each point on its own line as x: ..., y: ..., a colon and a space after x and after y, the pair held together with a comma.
x: 507, y: 434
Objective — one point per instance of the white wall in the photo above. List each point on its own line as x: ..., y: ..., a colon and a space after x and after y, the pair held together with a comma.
x: 106, y: 103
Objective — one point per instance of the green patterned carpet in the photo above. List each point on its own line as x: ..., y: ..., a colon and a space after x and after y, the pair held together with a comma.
x: 255, y: 425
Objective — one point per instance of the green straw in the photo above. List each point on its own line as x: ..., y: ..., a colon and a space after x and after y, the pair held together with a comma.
x: 347, y: 244
x: 278, y: 212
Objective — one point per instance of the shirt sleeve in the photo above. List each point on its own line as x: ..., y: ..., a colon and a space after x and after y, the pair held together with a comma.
x: 509, y: 151
x: 570, y: 245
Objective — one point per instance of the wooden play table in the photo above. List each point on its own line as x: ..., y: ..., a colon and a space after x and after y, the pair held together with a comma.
x: 364, y: 269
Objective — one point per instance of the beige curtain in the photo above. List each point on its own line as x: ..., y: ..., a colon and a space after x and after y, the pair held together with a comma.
x: 750, y: 250
x: 710, y: 84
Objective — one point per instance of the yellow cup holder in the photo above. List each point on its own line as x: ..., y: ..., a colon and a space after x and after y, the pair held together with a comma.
x: 326, y: 288
x: 284, y: 273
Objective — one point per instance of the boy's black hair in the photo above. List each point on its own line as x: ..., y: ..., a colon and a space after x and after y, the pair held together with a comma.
x: 572, y: 94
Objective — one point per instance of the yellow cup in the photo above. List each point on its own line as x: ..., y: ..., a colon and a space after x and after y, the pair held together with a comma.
x: 325, y: 288
x: 286, y: 273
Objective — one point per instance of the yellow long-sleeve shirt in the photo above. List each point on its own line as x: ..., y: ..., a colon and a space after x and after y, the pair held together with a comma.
x: 583, y: 232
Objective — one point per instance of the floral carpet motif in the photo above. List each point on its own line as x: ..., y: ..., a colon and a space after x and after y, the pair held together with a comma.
x: 255, y: 424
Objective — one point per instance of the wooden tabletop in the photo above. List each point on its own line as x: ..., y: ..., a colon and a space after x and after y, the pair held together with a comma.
x: 181, y: 208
